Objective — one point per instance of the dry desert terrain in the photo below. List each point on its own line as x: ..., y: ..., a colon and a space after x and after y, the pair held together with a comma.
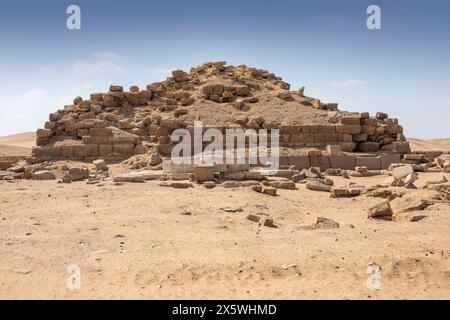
x: 145, y: 241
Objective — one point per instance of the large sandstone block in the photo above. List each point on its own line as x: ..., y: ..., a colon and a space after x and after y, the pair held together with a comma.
x: 369, y: 146
x: 124, y: 149
x: 348, y: 128
x: 343, y: 162
x: 43, y: 133
x: 301, y: 162
x: 302, y: 138
x: 86, y: 150
x: 401, y: 147
x: 67, y: 151
x: 43, y: 175
x: 100, y: 132
x: 372, y: 163
x: 334, y: 150
x: 105, y: 149
x: 387, y: 159
x: 323, y: 162
x: 348, y: 146
x: 351, y: 120
x: 289, y: 129
x: 204, y: 173
x: 327, y: 128
x: 91, y: 123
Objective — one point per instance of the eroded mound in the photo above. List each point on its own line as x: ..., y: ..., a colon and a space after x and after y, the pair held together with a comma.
x: 119, y: 124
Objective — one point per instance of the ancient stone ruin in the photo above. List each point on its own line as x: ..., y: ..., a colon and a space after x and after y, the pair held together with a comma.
x: 119, y: 124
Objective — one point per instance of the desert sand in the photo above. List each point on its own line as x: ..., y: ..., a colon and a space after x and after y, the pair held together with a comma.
x: 17, y: 144
x: 147, y: 241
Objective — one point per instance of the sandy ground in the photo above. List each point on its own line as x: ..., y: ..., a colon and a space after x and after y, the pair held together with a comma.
x: 17, y: 144
x: 136, y: 241
x: 430, y: 145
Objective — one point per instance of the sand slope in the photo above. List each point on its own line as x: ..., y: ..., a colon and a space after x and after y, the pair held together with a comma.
x: 430, y: 145
x: 17, y: 144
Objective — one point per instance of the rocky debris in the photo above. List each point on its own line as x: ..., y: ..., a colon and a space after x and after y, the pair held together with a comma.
x: 281, y: 184
x: 268, y: 222
x: 17, y: 169
x: 363, y: 171
x: 209, y: 184
x: 436, y: 181
x: 269, y: 191
x: 258, y: 188
x: 129, y: 177
x: 325, y: 223
x: 43, y: 175
x: 253, y: 217
x: 100, y: 165
x: 409, y: 204
x: 176, y: 184
x: 398, y: 217
x: 298, y: 177
x: 443, y: 161
x: 155, y: 158
x: 318, y: 185
x: 403, y: 176
x: 65, y: 179
x: 78, y: 174
x: 352, y: 190
x: 386, y: 193
x: 380, y: 210
x: 231, y: 184
x: 231, y: 209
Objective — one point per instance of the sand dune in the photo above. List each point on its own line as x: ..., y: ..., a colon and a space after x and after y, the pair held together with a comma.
x: 430, y: 145
x: 17, y: 144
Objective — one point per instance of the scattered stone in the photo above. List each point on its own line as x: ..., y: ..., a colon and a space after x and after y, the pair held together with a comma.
x: 289, y: 185
x: 298, y: 177
x: 43, y: 175
x: 100, y: 165
x: 268, y: 222
x: 269, y: 191
x: 258, y: 188
x: 129, y: 177
x: 209, y: 184
x: 253, y: 217
x: 402, y: 216
x: 230, y: 184
x: 325, y: 223
x: 78, y: 174
x: 286, y: 266
x: 317, y: 185
x: 232, y: 209
x: 381, y: 210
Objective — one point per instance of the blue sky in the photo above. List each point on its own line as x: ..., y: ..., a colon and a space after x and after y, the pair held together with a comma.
x: 403, y: 69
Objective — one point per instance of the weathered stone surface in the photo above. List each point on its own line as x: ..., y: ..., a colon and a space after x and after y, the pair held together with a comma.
x: 380, y: 210
x: 371, y: 163
x: 317, y: 185
x: 269, y: 191
x: 78, y: 174
x: 204, y: 173
x: 43, y: 175
x: 325, y: 223
x: 100, y: 165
